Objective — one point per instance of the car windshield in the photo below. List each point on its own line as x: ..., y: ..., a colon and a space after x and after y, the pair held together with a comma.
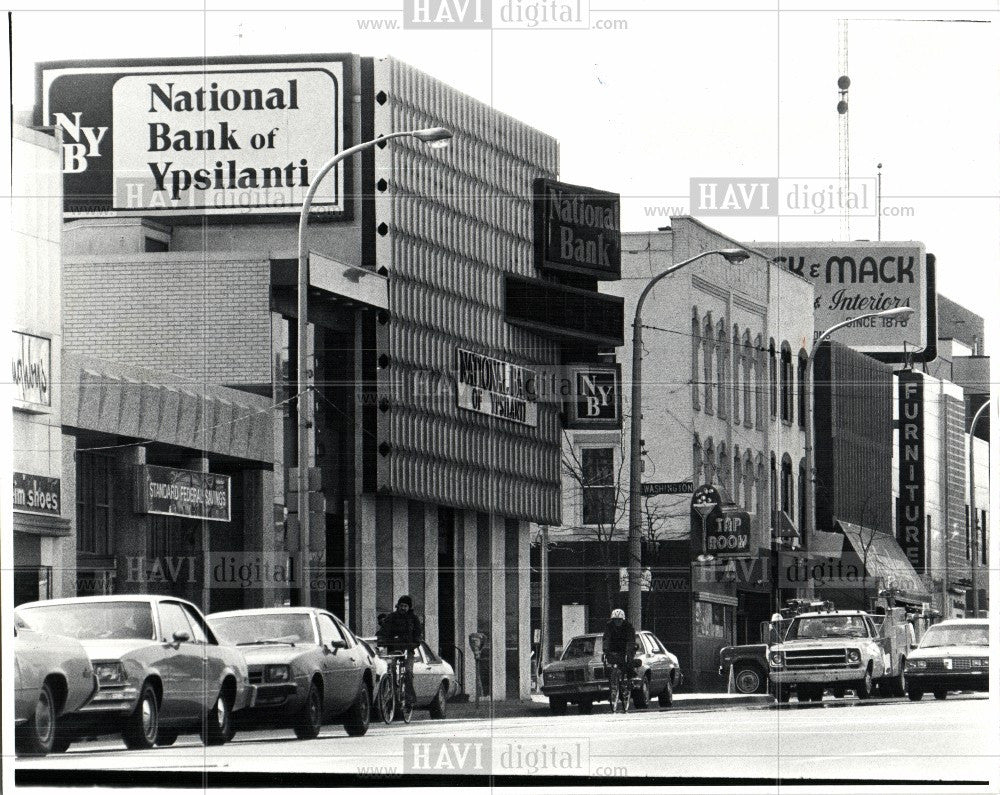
x: 93, y: 620
x: 251, y: 628
x: 815, y: 627
x: 955, y: 636
x: 580, y: 648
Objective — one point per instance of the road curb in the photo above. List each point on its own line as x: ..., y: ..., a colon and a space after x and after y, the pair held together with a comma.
x: 682, y: 703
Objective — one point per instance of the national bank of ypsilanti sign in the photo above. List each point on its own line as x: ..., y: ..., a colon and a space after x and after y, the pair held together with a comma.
x: 222, y: 136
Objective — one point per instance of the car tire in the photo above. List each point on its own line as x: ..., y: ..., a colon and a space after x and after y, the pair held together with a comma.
x: 640, y: 696
x: 749, y: 679
x: 438, y: 705
x: 309, y: 720
x: 37, y: 737
x: 166, y: 737
x: 898, y: 687
x: 864, y: 687
x: 666, y: 698
x: 940, y: 695
x: 217, y: 729
x: 586, y: 706
x: 915, y: 694
x: 142, y: 726
x: 359, y: 715
x: 557, y: 706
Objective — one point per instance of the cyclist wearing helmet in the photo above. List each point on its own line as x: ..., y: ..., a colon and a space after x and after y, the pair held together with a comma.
x: 619, y: 641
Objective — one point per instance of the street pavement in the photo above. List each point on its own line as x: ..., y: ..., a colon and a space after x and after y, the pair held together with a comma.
x: 885, y: 740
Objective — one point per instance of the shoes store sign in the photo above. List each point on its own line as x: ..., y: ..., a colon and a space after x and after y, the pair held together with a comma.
x: 37, y: 494
x: 183, y: 492
x: 228, y: 136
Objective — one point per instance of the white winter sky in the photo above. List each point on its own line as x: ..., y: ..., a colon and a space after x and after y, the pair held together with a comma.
x: 742, y: 91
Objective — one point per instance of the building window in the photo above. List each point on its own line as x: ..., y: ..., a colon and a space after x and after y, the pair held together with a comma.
x: 708, y: 366
x: 983, y: 543
x: 32, y: 583
x: 772, y: 378
x: 722, y: 360
x: 737, y: 475
x: 786, y: 486
x: 698, y: 462
x: 712, y: 620
x: 695, y: 357
x: 748, y: 484
x: 968, y: 535
x: 774, y: 494
x: 787, y: 383
x: 737, y: 364
x: 748, y: 359
x: 710, y: 470
x: 802, y: 497
x: 597, y: 464
x: 803, y: 364
x: 723, y: 468
x: 93, y: 504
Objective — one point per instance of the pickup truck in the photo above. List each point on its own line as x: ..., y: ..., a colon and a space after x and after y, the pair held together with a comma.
x: 747, y: 664
x: 841, y: 650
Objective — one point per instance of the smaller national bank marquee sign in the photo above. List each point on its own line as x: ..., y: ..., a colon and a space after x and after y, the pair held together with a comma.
x: 221, y: 137
x: 496, y: 388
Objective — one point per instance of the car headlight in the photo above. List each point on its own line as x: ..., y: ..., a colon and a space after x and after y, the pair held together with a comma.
x: 916, y: 664
x: 980, y: 662
x: 277, y: 673
x: 110, y: 673
x: 777, y: 658
x: 853, y: 656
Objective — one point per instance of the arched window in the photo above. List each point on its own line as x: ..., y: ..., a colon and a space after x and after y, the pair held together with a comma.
x: 708, y: 347
x: 737, y: 474
x: 803, y: 364
x: 737, y: 365
x: 722, y: 354
x: 787, y: 486
x: 772, y: 378
x: 710, y: 471
x: 698, y: 462
x: 773, y: 483
x: 758, y: 379
x: 723, y: 468
x: 748, y: 359
x: 802, y: 496
x: 749, y: 486
x: 787, y: 382
x: 695, y: 354
x: 761, y: 515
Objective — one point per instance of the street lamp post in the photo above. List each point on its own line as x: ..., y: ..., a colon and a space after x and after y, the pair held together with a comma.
x: 436, y: 137
x: 635, y: 477
x: 973, y: 519
x: 900, y: 312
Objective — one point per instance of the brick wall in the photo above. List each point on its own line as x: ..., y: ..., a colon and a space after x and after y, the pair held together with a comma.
x: 204, y: 318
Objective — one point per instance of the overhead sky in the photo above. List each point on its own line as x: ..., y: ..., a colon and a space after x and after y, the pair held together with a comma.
x: 651, y: 95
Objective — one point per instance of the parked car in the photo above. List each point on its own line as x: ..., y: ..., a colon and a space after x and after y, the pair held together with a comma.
x: 53, y: 678
x: 578, y: 676
x: 952, y: 655
x: 433, y: 679
x: 308, y: 668
x: 160, y: 669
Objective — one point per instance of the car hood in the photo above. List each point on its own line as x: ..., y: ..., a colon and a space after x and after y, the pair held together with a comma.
x: 269, y: 654
x: 114, y: 648
x: 939, y: 652
x: 831, y: 643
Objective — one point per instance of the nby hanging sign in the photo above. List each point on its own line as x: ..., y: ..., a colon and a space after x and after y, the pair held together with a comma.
x: 910, y: 532
x: 226, y: 136
x: 577, y: 229
x: 596, y: 399
x: 496, y: 388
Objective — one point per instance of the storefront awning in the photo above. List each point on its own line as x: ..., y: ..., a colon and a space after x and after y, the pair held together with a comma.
x: 885, y: 560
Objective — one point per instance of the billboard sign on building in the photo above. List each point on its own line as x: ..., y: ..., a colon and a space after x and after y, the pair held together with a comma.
x: 911, y: 533
x: 31, y: 370
x: 222, y: 136
x: 577, y: 230
x: 183, y: 492
x: 596, y: 401
x: 860, y: 277
x: 495, y: 388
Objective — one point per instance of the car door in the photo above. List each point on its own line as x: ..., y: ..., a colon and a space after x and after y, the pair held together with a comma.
x: 426, y: 678
x: 180, y: 665
x: 212, y: 665
x: 339, y: 667
x: 659, y: 663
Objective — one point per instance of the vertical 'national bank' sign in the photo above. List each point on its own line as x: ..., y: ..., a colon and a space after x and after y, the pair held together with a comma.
x: 222, y: 136
x: 577, y: 229
x: 912, y: 533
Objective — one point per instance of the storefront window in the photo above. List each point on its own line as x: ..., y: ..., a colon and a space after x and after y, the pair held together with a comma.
x: 93, y: 504
x: 32, y: 583
x: 598, y: 485
x: 713, y: 620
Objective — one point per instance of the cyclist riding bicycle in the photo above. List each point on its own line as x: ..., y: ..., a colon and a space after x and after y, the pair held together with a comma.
x: 619, y: 643
x: 400, y: 632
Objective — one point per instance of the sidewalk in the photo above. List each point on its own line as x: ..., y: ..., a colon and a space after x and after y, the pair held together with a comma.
x: 538, y: 705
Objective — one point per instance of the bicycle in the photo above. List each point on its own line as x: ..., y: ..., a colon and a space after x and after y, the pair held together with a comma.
x: 393, y: 690
x: 621, y: 683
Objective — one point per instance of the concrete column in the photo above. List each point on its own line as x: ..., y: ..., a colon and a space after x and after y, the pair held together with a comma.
x: 258, y: 536
x: 130, y: 528
x: 498, y: 611
x: 64, y: 578
x: 430, y: 566
x: 467, y: 609
x: 364, y: 603
x: 524, y: 609
x: 400, y: 548
x: 383, y: 554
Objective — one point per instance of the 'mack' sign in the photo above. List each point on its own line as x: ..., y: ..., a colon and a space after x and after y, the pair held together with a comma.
x: 577, y: 229
x: 911, y: 535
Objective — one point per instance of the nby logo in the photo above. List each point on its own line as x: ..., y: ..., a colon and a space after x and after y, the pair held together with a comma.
x: 84, y: 143
x: 451, y: 14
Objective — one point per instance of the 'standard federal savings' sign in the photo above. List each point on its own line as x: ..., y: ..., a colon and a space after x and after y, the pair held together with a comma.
x: 183, y: 492
x: 857, y: 278
x: 496, y: 388
x: 226, y: 136
x: 577, y: 229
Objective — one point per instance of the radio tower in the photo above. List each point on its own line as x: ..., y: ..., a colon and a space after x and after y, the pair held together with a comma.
x: 844, y: 136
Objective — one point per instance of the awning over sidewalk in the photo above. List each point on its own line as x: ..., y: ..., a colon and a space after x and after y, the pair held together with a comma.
x: 885, y: 560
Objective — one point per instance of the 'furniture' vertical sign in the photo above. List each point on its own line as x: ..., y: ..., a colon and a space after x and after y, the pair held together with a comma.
x: 911, y: 534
